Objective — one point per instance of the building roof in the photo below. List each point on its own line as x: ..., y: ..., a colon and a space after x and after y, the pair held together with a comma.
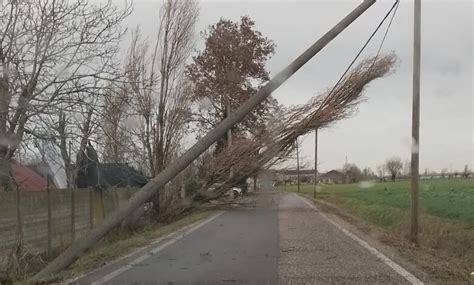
x: 295, y: 172
x: 91, y: 173
x: 26, y: 179
x: 43, y: 169
x: 120, y: 175
x: 333, y: 174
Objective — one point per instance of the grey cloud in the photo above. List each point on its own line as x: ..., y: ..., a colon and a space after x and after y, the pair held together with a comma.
x: 382, y: 125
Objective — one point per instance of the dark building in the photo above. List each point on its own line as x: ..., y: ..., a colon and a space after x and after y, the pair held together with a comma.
x: 120, y: 175
x: 91, y: 173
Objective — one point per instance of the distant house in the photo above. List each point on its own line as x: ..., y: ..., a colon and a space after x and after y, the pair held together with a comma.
x: 91, y: 173
x: 333, y: 176
x: 43, y: 169
x: 291, y: 175
x: 25, y: 179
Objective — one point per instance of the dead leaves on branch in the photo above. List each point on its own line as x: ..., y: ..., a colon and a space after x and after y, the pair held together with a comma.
x: 247, y: 155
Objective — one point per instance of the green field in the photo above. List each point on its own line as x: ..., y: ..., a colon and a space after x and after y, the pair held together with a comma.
x: 388, y: 203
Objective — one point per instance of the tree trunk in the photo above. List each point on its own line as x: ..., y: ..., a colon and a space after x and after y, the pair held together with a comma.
x: 5, y: 174
x: 255, y: 182
x: 81, y: 245
x: 5, y: 163
x: 393, y: 177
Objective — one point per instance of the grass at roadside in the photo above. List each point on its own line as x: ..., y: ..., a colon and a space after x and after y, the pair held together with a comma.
x: 446, y: 224
x: 123, y: 243
x: 386, y: 203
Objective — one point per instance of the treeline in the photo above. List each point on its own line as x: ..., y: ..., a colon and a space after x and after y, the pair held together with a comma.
x: 65, y: 85
x: 394, y: 168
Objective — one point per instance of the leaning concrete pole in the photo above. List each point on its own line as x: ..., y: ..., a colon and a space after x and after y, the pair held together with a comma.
x: 146, y: 192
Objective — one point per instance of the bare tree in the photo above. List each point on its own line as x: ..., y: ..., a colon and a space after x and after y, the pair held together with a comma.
x: 407, y: 168
x: 160, y: 92
x: 394, y: 165
x: 466, y: 173
x: 443, y: 172
x: 155, y: 78
x: 381, y: 172
x: 367, y: 173
x: 117, y: 138
x: 51, y: 53
x: 175, y: 41
x: 353, y: 172
x: 75, y: 127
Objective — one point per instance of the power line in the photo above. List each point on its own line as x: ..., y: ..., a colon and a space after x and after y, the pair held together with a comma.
x: 397, y: 3
x: 394, y: 6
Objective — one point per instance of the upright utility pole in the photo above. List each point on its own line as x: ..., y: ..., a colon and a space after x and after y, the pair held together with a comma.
x: 298, y: 164
x: 415, y: 124
x: 315, y: 161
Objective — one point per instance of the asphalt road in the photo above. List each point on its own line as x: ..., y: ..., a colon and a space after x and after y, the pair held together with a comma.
x: 277, y: 239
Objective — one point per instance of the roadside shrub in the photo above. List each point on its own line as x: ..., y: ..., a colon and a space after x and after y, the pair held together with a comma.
x: 192, y: 185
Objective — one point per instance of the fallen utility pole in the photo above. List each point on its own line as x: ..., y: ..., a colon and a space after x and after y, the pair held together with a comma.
x: 146, y: 192
x: 415, y: 148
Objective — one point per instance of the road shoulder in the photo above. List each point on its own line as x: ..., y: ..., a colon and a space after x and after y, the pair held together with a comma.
x: 110, y: 255
x: 369, y: 234
x: 316, y: 250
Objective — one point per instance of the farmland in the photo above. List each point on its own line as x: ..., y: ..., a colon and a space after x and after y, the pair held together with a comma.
x: 386, y: 204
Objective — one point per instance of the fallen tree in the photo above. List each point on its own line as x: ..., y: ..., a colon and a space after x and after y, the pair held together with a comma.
x: 147, y: 192
x: 273, y: 144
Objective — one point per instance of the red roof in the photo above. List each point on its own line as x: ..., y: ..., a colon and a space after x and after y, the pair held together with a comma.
x: 26, y: 179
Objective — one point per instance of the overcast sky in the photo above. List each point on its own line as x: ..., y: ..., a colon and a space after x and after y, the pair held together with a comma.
x: 382, y: 127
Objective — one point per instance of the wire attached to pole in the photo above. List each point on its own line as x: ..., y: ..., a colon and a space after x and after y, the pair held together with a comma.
x: 394, y: 7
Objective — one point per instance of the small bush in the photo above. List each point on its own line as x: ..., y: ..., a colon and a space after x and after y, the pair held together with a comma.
x: 192, y: 185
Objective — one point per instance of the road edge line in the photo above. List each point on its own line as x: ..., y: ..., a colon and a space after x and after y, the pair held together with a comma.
x: 392, y: 264
x: 173, y: 237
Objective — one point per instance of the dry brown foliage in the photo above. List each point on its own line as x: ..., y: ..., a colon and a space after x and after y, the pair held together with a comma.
x: 277, y: 141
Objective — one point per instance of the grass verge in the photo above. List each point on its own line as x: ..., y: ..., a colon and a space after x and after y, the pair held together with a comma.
x: 446, y: 237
